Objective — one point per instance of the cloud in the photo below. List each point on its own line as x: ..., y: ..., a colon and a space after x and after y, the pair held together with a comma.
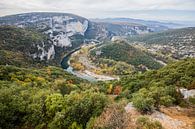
x: 104, y: 8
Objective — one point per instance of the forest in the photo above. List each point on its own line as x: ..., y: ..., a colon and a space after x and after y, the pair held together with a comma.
x: 51, y: 98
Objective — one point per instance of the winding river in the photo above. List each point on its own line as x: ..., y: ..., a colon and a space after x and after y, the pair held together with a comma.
x: 87, y: 75
x: 65, y: 64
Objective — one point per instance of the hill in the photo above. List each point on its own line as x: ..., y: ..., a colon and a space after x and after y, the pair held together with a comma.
x: 64, y: 26
x: 68, y: 31
x: 179, y: 43
x: 23, y: 47
x: 154, y: 26
x: 122, y: 51
x: 29, y: 88
x: 65, y: 31
x: 32, y: 98
x: 184, y: 35
x: 148, y: 91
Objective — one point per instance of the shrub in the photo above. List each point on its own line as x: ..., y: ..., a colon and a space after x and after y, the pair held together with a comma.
x: 145, y: 123
x: 192, y: 100
x: 147, y: 99
x: 142, y: 101
x: 113, y: 117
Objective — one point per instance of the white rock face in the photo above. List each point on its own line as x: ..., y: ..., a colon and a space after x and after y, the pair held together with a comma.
x: 51, y: 53
x: 141, y: 31
x: 76, y: 27
x: 66, y: 30
x: 59, y: 27
x: 129, y: 107
x: 62, y: 40
x: 45, y: 54
x: 65, y: 27
x: 187, y: 93
x: 167, y: 120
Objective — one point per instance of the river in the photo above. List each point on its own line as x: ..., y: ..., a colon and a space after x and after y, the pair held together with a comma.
x: 65, y: 64
x: 87, y: 75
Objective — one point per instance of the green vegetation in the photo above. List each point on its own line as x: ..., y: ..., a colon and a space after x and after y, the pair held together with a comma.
x: 47, y: 97
x: 17, y: 44
x: 14, y: 58
x: 183, y: 35
x: 34, y: 95
x: 146, y: 100
x: 150, y: 90
x: 192, y: 100
x: 122, y: 51
x: 51, y: 98
x: 144, y: 122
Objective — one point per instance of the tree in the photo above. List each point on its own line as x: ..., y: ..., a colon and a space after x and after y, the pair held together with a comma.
x: 142, y: 101
x: 161, y: 96
x: 54, y: 103
x: 12, y: 107
x: 117, y: 90
x: 147, y: 99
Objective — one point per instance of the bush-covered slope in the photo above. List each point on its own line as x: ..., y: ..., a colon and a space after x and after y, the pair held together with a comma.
x: 46, y: 98
x: 172, y: 44
x: 184, y: 36
x: 51, y: 98
x: 122, y: 51
x: 159, y: 87
x: 20, y: 46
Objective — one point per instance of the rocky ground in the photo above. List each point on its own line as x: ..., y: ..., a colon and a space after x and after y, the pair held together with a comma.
x: 170, y: 118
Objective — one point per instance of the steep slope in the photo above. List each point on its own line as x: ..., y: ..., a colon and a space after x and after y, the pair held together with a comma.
x: 102, y: 30
x: 125, y: 28
x: 34, y: 98
x: 179, y: 43
x: 122, y: 51
x: 60, y: 27
x: 148, y: 92
x: 170, y: 79
x: 24, y: 47
x: 68, y: 31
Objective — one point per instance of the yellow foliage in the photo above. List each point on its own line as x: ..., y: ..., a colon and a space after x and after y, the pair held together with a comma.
x: 48, y: 71
x: 78, y: 66
x: 109, y: 90
x: 27, y: 80
x: 40, y: 79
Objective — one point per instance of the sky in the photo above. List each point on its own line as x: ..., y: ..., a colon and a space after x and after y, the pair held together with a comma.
x: 164, y: 10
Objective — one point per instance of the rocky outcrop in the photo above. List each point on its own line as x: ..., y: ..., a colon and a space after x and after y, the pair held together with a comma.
x: 187, y: 93
x: 59, y: 27
x: 68, y: 31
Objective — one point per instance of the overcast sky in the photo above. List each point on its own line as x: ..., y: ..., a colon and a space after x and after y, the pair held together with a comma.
x: 183, y: 10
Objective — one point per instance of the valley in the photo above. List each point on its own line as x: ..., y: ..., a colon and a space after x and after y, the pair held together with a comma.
x: 81, y: 65
x: 63, y: 71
